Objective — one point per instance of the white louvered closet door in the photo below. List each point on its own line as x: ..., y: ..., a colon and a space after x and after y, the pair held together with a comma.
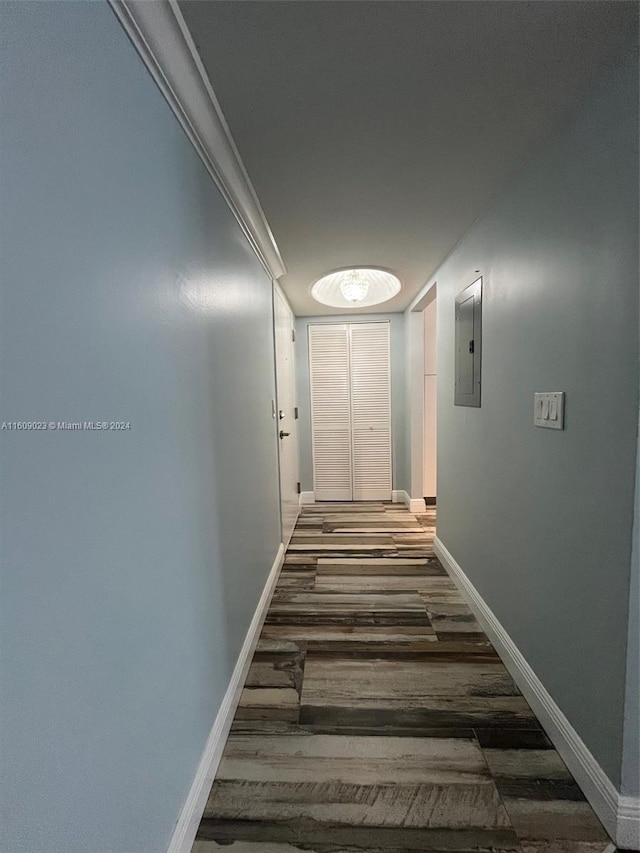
x: 349, y: 368
x: 330, y: 412
x: 371, y: 411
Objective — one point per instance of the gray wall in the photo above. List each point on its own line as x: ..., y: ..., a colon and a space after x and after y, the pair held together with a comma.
x: 132, y: 561
x: 541, y: 520
x: 630, y: 785
x: 398, y: 393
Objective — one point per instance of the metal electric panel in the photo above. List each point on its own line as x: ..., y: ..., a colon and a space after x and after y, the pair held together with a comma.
x: 468, y: 342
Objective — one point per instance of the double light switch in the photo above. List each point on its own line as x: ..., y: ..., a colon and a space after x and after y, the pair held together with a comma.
x: 548, y: 409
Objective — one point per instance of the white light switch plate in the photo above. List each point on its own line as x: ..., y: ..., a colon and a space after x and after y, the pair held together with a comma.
x: 548, y: 409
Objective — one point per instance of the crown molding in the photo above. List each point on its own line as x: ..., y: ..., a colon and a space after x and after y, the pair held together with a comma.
x: 159, y: 33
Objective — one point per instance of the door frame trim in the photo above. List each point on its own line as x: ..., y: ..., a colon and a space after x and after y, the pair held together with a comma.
x: 415, y: 388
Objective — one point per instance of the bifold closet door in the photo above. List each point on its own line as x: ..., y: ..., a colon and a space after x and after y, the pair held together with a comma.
x: 370, y: 411
x: 349, y: 367
x: 330, y: 412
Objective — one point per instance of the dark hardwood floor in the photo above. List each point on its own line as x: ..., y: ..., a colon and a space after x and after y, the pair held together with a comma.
x: 376, y: 715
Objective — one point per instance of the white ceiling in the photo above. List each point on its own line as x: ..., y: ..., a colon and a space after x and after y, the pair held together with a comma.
x: 376, y: 132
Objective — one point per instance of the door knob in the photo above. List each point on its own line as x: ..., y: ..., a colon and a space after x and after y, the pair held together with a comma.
x: 283, y: 433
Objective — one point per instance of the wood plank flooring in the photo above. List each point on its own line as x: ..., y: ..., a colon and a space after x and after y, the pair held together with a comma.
x: 376, y: 715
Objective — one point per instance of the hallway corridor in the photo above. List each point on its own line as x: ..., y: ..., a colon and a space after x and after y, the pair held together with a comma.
x: 377, y: 716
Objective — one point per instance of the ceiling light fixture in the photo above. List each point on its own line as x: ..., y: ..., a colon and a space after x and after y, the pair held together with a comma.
x: 356, y: 287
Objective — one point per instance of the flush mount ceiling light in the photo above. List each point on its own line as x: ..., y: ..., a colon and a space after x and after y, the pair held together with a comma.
x: 357, y: 287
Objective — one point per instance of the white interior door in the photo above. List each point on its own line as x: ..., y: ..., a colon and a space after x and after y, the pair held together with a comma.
x: 371, y: 411
x: 287, y: 423
x: 349, y: 365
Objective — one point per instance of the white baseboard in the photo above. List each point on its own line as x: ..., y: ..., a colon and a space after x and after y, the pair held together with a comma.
x: 628, y: 822
x: 400, y: 496
x: 285, y: 545
x: 307, y: 498
x: 619, y: 815
x: 193, y: 809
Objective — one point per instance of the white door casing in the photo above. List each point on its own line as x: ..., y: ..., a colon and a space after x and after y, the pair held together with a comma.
x: 349, y: 369
x: 285, y: 414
